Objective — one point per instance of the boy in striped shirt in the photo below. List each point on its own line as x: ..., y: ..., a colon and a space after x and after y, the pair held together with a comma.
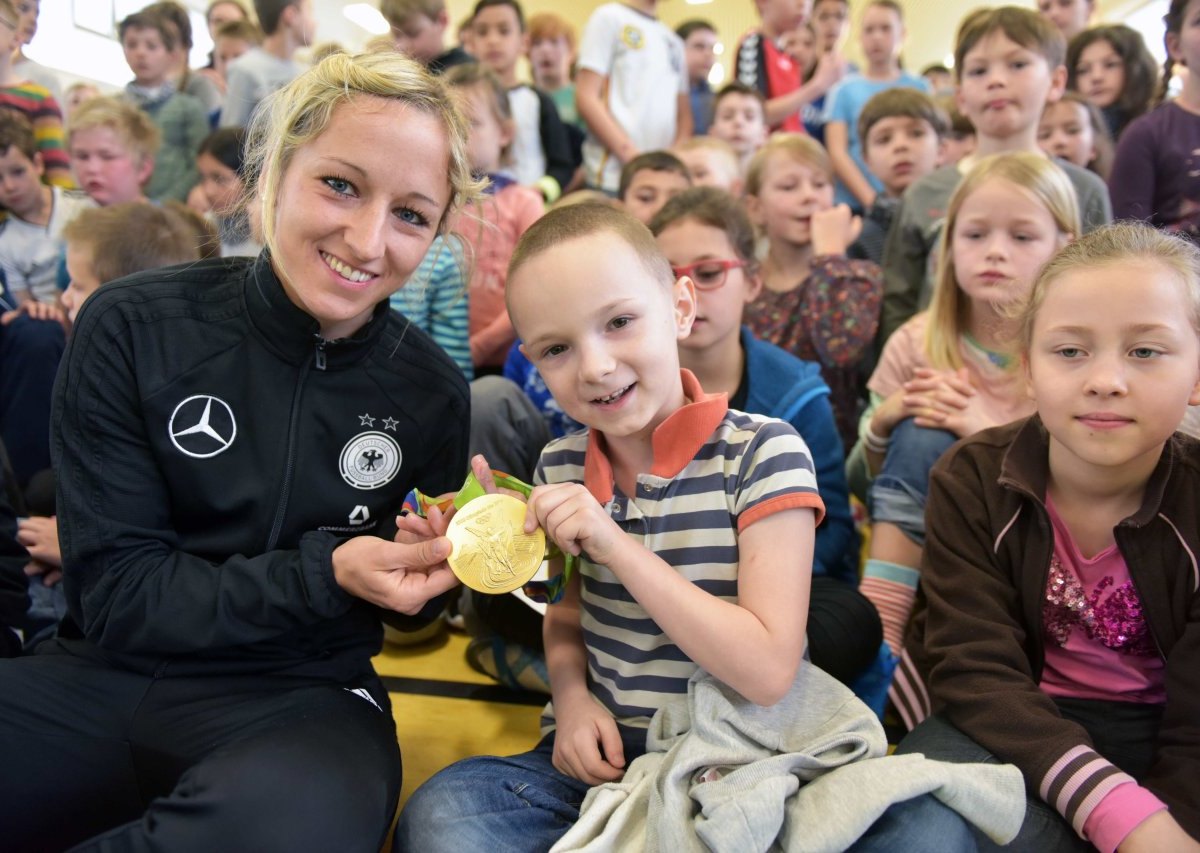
x: 694, y: 524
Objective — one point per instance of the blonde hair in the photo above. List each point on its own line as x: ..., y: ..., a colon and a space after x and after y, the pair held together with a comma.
x: 798, y: 146
x: 1121, y: 242
x: 1039, y: 178
x: 300, y: 112
x: 136, y: 130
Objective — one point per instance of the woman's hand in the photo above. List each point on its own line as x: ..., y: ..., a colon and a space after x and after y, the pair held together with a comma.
x: 574, y: 520
x: 587, y: 743
x: 401, y: 575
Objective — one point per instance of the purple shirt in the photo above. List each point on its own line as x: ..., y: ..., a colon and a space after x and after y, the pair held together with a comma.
x: 1156, y: 174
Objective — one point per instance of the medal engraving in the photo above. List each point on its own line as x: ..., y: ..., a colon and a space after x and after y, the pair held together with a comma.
x: 492, y: 552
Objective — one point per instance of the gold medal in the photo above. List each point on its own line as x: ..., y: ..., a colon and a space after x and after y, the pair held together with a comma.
x: 492, y: 552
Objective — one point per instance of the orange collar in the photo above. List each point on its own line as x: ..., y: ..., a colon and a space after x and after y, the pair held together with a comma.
x: 675, y: 442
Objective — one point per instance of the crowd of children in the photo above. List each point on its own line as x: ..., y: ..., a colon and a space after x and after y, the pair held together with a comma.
x: 836, y: 388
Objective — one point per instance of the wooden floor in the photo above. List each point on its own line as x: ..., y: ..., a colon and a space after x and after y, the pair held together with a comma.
x: 445, y: 710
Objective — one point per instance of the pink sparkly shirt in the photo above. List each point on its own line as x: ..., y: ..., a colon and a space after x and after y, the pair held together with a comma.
x: 1098, y: 645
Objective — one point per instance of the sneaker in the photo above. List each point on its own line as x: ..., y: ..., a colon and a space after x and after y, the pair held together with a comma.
x: 511, y: 664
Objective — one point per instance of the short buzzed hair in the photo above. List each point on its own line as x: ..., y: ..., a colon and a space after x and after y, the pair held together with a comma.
x: 575, y: 221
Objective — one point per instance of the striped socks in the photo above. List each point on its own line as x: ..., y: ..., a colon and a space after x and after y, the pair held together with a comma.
x: 892, y: 589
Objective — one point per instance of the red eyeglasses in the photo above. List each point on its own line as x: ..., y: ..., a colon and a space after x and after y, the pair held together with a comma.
x: 708, y: 274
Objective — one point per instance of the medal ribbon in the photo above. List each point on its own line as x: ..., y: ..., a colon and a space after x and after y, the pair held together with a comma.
x: 549, y: 591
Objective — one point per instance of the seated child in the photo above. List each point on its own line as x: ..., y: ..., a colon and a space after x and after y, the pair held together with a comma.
x: 220, y: 166
x: 959, y: 139
x: 816, y: 303
x: 1061, y: 629
x: 661, y: 464
x: 648, y: 180
x: 232, y: 40
x: 491, y: 226
x: 706, y: 236
x: 31, y: 244
x: 419, y: 32
x: 148, y: 39
x: 435, y: 299
x: 738, y: 119
x: 711, y: 162
x: 112, y: 145
x: 287, y: 26
x: 901, y: 131
x: 103, y: 245
x: 1073, y: 130
x: 952, y: 371
x: 541, y: 150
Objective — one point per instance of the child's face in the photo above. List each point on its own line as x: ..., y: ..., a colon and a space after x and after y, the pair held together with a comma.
x: 304, y: 24
x: 106, y: 168
x: 1066, y: 131
x: 739, y: 120
x: 420, y: 37
x: 1184, y: 46
x: 221, y: 14
x: 77, y: 96
x: 882, y: 34
x: 350, y: 227
x: 1070, y: 16
x: 830, y: 19
x: 497, y: 38
x: 1004, y: 87
x: 1001, y: 238
x: 939, y: 81
x: 649, y: 190
x: 221, y: 184
x: 9, y: 38
x: 954, y: 148
x: 27, y: 18
x: 604, y: 334
x: 801, y: 45
x: 700, y: 53
x: 20, y: 182
x: 694, y: 248
x: 226, y: 50
x: 147, y: 56
x: 779, y: 16
x: 1113, y: 364
x: 81, y: 269
x: 551, y: 59
x: 901, y: 150
x: 488, y: 135
x: 1100, y: 74
x: 710, y: 168
x: 792, y: 191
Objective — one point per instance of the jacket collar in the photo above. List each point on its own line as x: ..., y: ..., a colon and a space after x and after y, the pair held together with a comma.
x: 675, y: 441
x: 295, y: 335
x: 1026, y: 467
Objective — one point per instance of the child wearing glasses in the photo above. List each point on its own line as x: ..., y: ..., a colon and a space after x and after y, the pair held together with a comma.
x: 708, y: 238
x: 815, y: 303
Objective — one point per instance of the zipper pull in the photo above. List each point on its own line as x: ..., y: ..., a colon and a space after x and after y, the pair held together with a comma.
x: 320, y: 353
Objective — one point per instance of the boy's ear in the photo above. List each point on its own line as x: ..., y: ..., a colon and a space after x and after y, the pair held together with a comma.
x: 145, y: 169
x: 754, y: 281
x: 39, y: 165
x: 1058, y: 84
x: 441, y: 20
x: 508, y: 132
x: 1171, y: 41
x: 684, y: 295
x: 753, y: 209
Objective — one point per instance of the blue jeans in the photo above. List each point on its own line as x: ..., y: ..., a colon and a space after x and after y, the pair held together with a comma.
x: 1043, y: 829
x: 898, y: 494
x: 522, y: 803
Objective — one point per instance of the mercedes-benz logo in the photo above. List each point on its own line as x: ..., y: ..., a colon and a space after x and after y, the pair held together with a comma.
x: 204, y: 429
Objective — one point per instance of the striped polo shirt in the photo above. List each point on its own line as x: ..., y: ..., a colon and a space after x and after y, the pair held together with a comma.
x: 715, y: 472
